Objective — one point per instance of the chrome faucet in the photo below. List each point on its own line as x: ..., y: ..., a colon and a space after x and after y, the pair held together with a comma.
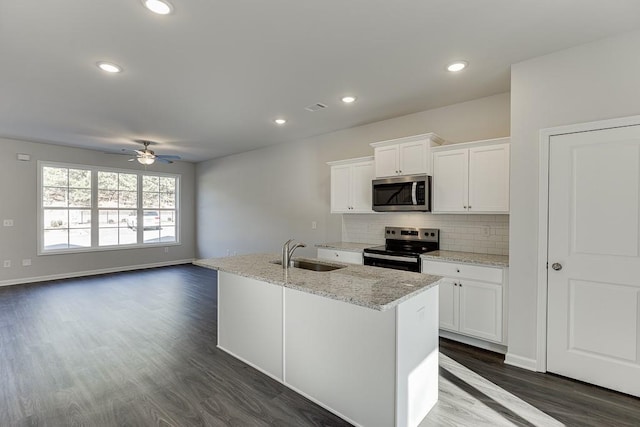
x: 287, y: 252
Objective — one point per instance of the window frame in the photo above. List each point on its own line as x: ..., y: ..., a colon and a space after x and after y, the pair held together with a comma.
x: 95, y: 226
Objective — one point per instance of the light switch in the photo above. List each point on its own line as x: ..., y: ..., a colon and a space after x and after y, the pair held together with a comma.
x: 26, y: 262
x: 314, y: 225
x: 7, y: 223
x: 7, y: 263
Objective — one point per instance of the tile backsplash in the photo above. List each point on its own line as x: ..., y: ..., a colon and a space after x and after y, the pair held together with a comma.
x: 486, y: 234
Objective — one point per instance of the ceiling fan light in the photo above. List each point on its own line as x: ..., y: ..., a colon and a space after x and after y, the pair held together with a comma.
x: 161, y: 7
x: 146, y: 160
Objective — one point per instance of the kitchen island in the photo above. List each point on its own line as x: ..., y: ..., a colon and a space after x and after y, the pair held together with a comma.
x: 360, y: 341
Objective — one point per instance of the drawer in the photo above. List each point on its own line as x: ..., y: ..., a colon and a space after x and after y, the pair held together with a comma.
x: 457, y: 270
x: 341, y: 256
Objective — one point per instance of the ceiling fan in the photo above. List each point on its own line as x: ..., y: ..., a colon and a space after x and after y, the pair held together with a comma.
x: 148, y: 157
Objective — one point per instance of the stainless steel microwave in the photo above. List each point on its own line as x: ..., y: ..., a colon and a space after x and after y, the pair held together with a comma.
x: 402, y: 193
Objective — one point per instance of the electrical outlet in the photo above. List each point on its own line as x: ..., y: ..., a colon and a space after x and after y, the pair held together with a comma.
x: 26, y: 262
x: 7, y: 223
x: 166, y: 250
x: 228, y: 252
x: 486, y: 231
x: 7, y: 263
x: 314, y: 225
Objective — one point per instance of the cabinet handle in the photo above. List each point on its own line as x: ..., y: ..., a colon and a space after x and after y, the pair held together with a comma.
x: 457, y: 270
x: 337, y: 254
x: 465, y: 207
x: 460, y: 284
x: 469, y: 206
x: 400, y: 171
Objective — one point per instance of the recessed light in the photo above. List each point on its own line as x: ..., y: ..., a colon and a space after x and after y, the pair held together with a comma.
x: 160, y: 7
x: 280, y: 121
x: 348, y: 99
x: 109, y: 67
x: 457, y: 66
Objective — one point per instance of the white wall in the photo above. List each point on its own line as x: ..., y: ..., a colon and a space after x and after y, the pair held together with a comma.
x: 592, y: 82
x: 254, y: 201
x: 18, y: 201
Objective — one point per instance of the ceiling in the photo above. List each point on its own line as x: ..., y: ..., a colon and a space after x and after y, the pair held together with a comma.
x: 209, y: 79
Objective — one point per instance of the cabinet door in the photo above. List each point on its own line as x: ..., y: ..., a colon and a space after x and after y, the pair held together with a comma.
x: 413, y: 158
x: 450, y: 181
x: 480, y: 309
x: 386, y: 159
x: 489, y: 179
x: 449, y: 302
x: 361, y: 177
x: 340, y: 183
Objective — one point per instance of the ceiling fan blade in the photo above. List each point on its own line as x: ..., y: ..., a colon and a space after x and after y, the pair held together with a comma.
x: 167, y: 157
x: 131, y: 159
x: 161, y: 160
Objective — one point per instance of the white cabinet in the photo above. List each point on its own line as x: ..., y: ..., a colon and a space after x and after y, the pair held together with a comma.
x: 472, y: 177
x: 340, y: 256
x: 404, y: 156
x: 471, y: 299
x: 351, y: 185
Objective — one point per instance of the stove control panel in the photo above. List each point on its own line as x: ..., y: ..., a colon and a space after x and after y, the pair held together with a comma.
x: 415, y: 234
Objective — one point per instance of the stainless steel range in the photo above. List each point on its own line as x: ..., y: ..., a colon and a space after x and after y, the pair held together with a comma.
x: 403, y: 247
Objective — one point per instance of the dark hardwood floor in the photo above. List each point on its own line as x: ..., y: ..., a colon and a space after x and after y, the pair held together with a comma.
x: 139, y: 349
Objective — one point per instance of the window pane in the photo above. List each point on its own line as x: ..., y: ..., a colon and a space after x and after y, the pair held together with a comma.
x: 168, y: 234
x: 79, y: 178
x: 55, y: 219
x: 151, y: 220
x: 80, y: 238
x: 128, y: 182
x: 129, y: 219
x: 108, y: 237
x: 150, y: 200
x: 108, y: 218
x: 128, y: 199
x: 150, y: 183
x: 79, y: 218
x: 151, y: 236
x: 54, y: 197
x: 79, y: 198
x: 55, y: 177
x: 128, y: 236
x: 167, y: 218
x: 107, y: 199
x: 167, y: 185
x: 167, y: 200
x: 56, y: 239
x: 107, y: 180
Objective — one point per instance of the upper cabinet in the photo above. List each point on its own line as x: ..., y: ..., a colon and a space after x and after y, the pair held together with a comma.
x: 351, y: 185
x: 405, y: 156
x: 472, y: 177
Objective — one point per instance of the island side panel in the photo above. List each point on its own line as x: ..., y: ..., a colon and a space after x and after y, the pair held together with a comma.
x: 342, y: 356
x: 250, y: 322
x: 417, y: 375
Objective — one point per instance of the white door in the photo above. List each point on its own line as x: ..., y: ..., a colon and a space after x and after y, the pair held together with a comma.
x: 386, y: 159
x: 489, y: 178
x: 413, y: 158
x: 450, y: 181
x: 594, y: 290
x: 340, y: 179
x: 361, y: 177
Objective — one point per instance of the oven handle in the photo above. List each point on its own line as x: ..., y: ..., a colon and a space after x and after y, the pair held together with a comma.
x: 391, y: 257
x: 414, y: 198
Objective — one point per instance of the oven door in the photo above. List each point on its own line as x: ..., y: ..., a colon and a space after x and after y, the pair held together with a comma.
x: 405, y: 193
x: 392, y: 261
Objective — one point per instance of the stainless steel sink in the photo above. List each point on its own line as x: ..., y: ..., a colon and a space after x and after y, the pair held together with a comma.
x: 310, y: 265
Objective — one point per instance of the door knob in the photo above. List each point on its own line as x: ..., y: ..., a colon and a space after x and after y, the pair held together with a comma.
x: 556, y: 266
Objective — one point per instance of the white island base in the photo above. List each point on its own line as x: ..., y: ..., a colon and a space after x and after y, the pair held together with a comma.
x: 369, y: 367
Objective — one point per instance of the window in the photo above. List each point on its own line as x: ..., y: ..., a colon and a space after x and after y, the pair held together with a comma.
x: 85, y: 208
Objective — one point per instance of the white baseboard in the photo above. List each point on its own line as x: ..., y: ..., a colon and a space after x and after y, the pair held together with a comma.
x: 486, y: 345
x: 92, y: 272
x: 521, y: 362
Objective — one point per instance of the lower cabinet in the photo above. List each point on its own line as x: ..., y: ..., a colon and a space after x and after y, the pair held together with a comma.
x: 469, y: 306
x: 340, y: 256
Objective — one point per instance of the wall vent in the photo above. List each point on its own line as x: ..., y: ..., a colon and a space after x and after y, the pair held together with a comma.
x: 315, y: 107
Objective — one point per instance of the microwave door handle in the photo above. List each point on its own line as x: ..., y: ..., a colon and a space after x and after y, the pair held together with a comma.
x: 414, y: 187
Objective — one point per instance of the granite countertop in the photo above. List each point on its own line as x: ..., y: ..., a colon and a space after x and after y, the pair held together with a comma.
x: 346, y: 246
x: 371, y: 287
x: 468, y: 258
